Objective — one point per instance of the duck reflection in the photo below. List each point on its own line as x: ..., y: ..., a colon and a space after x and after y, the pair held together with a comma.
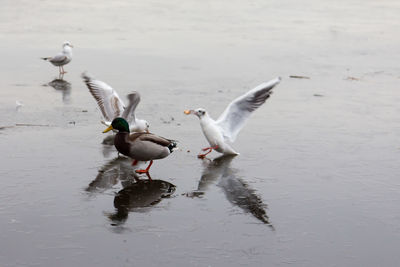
x: 236, y: 190
x: 139, y: 196
x: 63, y: 86
x: 136, y: 193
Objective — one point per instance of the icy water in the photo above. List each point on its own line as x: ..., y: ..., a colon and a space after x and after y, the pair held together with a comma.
x: 317, y: 180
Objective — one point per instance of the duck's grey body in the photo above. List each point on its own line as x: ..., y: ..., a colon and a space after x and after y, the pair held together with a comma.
x: 143, y: 146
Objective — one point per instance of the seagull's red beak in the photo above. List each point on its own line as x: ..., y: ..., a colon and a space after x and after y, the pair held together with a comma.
x: 187, y: 112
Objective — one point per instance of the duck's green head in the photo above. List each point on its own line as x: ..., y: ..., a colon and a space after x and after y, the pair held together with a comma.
x: 119, y: 124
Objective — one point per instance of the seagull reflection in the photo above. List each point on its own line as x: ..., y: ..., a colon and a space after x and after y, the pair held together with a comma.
x: 236, y: 190
x: 109, y: 140
x: 118, y: 169
x: 63, y: 86
x: 107, y: 150
x: 139, y: 196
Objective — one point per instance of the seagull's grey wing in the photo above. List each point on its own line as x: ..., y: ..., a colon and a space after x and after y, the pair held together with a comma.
x: 110, y: 104
x: 238, y: 111
x: 129, y: 112
x: 58, y: 59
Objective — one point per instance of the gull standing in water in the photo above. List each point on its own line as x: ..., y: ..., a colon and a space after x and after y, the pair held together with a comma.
x: 222, y: 132
x: 62, y: 58
x: 111, y: 105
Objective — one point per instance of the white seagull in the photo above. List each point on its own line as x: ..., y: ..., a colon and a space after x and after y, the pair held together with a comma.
x: 221, y: 133
x: 61, y: 58
x: 111, y: 105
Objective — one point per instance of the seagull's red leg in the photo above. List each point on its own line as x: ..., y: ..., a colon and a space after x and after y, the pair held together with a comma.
x: 134, y: 162
x: 148, y: 176
x: 202, y: 156
x: 146, y: 170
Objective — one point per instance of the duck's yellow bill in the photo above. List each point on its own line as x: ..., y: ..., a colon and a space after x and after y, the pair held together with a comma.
x: 187, y: 112
x: 108, y: 129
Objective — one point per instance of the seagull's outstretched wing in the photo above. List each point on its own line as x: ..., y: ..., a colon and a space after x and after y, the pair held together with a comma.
x: 107, y: 98
x: 129, y: 112
x: 238, y: 111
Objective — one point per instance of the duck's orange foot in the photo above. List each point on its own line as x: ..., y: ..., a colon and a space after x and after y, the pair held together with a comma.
x: 146, y: 172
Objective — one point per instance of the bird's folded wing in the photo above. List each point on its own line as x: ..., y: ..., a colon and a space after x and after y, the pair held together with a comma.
x: 155, y: 139
x: 60, y: 58
x: 238, y: 111
x: 110, y: 104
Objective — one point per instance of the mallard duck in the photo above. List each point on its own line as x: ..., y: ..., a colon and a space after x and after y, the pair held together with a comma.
x: 111, y: 105
x: 62, y: 58
x: 140, y: 146
x: 222, y: 132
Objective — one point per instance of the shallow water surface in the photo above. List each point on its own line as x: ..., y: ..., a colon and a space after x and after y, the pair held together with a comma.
x: 316, y: 183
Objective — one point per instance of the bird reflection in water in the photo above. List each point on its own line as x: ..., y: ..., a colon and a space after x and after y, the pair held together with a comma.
x: 236, y: 190
x: 139, y: 196
x: 114, y: 171
x: 136, y: 195
x: 63, y: 86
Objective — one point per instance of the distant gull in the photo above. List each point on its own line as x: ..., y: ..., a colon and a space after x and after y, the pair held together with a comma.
x: 222, y: 132
x: 18, y: 104
x: 62, y: 58
x: 111, y: 105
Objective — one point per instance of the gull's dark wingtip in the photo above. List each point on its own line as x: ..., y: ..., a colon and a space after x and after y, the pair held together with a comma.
x: 134, y: 95
x: 85, y: 76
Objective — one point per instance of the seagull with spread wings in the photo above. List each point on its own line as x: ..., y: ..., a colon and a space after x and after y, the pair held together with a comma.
x: 223, y: 132
x: 111, y: 105
x: 62, y: 58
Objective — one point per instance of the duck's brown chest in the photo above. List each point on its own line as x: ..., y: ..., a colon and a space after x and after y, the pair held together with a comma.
x: 121, y: 144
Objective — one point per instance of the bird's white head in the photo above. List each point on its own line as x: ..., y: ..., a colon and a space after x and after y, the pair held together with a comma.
x: 200, y: 112
x: 140, y: 126
x: 67, y: 48
x: 66, y: 43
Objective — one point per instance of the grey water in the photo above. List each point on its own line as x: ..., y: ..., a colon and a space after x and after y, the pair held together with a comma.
x: 317, y: 179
